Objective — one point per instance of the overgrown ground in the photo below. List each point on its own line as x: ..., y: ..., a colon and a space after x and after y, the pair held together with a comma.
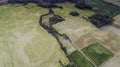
x: 23, y: 43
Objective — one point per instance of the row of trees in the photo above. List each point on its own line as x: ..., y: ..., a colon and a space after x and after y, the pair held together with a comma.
x: 36, y: 1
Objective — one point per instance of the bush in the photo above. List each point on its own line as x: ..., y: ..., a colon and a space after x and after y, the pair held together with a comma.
x: 55, y: 19
x: 100, y: 20
x: 83, y: 6
x: 74, y: 13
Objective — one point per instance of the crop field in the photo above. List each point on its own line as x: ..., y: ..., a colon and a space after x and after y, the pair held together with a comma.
x: 97, y: 53
x: 99, y: 6
x: 80, y: 60
x: 23, y: 42
x: 68, y: 7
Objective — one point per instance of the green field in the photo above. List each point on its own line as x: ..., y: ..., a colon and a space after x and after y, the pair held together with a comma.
x: 80, y: 60
x: 68, y: 7
x: 97, y: 53
x: 99, y: 6
x: 23, y: 42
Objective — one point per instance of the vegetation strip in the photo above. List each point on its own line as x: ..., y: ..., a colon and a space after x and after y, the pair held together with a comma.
x: 54, y: 33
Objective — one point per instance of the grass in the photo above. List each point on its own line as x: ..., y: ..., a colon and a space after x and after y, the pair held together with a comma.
x: 23, y: 42
x: 80, y: 60
x: 105, y: 8
x: 97, y: 53
x: 68, y: 7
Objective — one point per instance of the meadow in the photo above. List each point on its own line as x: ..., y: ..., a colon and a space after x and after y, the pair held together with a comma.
x: 69, y: 7
x: 23, y: 42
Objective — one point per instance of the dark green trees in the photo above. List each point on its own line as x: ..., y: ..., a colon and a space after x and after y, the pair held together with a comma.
x: 100, y: 20
x: 56, y: 19
x: 82, y: 5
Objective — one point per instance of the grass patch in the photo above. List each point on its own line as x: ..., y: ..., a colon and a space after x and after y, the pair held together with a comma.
x: 97, y: 53
x: 80, y: 60
x: 69, y: 7
x: 99, y: 6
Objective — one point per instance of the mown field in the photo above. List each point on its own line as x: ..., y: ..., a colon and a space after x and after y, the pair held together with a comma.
x: 99, y: 6
x: 80, y: 60
x: 23, y: 42
x: 97, y: 53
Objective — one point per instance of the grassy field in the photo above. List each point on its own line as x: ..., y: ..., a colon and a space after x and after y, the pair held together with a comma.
x: 80, y: 60
x: 23, y: 43
x: 68, y: 7
x: 97, y: 53
x: 99, y: 6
